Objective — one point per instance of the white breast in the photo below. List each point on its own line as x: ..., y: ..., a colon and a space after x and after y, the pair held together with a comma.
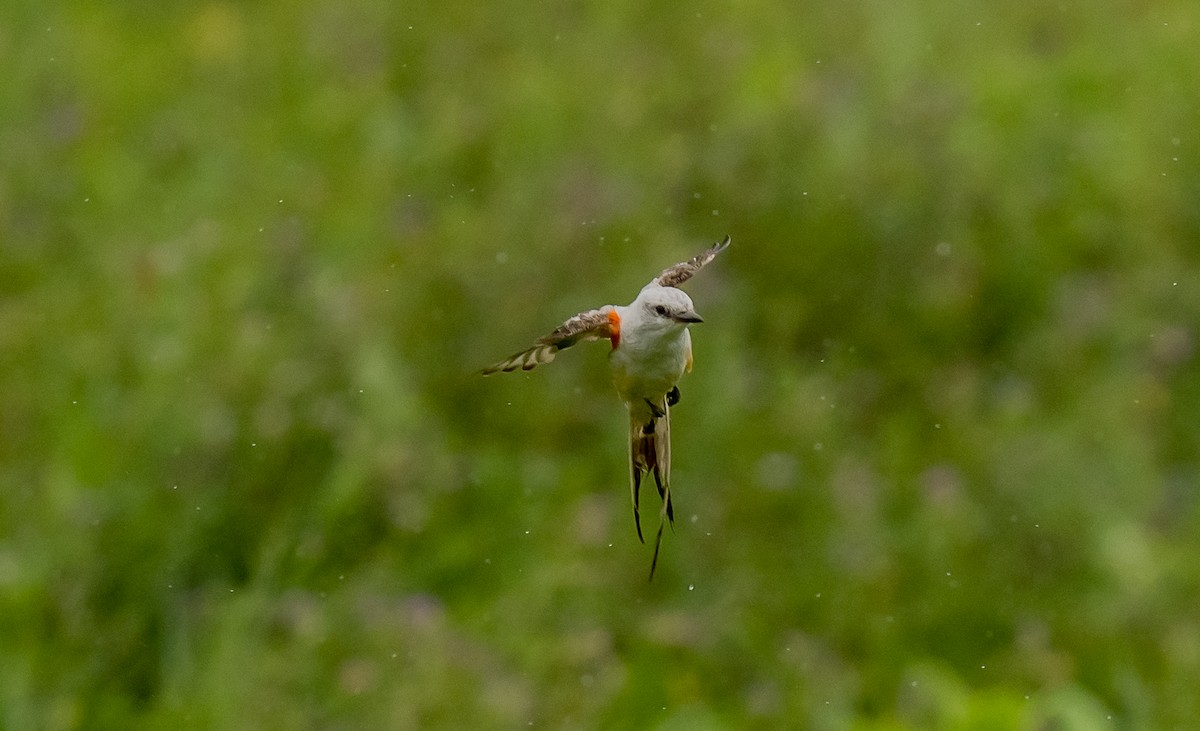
x: 648, y: 362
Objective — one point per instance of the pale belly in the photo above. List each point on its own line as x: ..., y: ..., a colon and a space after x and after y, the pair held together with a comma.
x: 648, y: 373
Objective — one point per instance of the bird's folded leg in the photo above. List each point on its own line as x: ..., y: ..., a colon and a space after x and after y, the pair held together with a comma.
x: 656, y: 412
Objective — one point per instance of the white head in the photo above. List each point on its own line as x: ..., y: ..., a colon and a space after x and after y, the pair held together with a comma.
x: 664, y: 306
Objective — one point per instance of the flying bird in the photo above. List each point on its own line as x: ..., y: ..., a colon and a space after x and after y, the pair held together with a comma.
x: 651, y: 350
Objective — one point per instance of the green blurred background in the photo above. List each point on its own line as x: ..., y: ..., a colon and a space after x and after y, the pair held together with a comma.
x: 936, y: 468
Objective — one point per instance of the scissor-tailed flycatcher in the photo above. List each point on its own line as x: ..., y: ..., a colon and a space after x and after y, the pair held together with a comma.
x: 651, y: 349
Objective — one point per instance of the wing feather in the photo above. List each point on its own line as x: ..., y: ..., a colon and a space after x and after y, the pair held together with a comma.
x: 676, y: 275
x: 590, y: 325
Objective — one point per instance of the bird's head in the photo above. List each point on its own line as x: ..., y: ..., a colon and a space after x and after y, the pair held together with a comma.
x: 668, y: 306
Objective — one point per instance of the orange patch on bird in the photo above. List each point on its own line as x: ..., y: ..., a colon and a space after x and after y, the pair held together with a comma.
x: 614, y: 328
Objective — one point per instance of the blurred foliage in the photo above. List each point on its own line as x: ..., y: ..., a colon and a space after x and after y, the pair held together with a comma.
x: 937, y: 467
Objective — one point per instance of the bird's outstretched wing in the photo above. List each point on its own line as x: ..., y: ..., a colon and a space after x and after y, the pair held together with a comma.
x: 676, y: 275
x: 590, y: 325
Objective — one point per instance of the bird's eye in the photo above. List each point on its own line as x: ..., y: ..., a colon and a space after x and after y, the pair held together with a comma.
x: 660, y: 311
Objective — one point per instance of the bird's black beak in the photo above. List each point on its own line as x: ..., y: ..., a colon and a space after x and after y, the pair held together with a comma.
x: 689, y: 316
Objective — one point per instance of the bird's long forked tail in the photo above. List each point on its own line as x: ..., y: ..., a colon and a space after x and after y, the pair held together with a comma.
x: 650, y: 454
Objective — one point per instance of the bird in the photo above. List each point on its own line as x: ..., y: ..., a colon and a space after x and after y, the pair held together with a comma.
x: 651, y: 350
